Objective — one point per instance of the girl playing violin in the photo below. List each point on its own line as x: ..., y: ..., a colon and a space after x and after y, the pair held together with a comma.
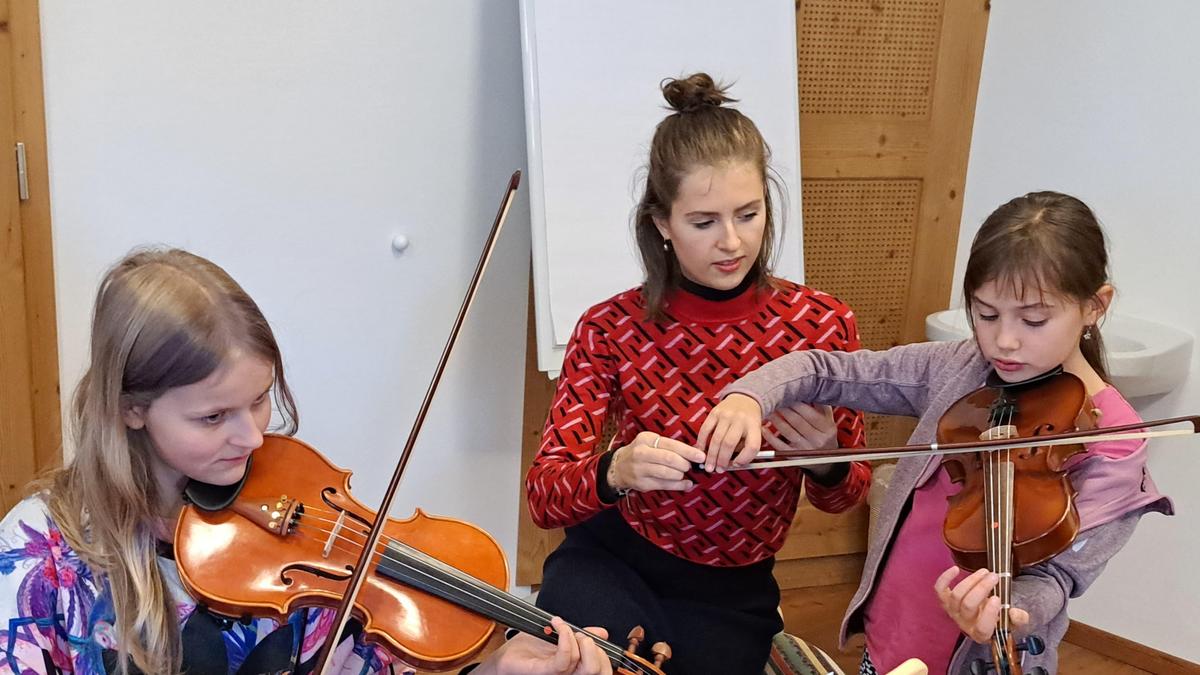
x: 650, y: 542
x: 183, y: 372
x: 1036, y: 288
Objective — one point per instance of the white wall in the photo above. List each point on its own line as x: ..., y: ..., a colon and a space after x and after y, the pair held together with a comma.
x: 288, y: 142
x: 1098, y: 99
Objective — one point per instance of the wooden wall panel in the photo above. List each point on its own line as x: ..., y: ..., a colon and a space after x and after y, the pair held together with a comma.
x: 533, y: 543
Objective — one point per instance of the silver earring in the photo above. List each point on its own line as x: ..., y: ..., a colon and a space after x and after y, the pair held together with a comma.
x: 667, y: 245
x: 1087, y: 333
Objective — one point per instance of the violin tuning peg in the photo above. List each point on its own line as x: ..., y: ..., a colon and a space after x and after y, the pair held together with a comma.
x: 1033, y: 645
x: 635, y: 638
x: 662, y: 653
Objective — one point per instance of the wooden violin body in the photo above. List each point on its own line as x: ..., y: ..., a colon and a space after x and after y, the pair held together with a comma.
x: 280, y: 546
x: 1017, y: 506
x: 292, y: 536
x: 1029, y: 482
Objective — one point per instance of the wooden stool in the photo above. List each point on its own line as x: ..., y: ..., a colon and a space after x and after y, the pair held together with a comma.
x: 792, y: 656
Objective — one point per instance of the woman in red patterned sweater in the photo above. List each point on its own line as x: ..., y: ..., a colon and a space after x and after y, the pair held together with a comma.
x: 687, y: 554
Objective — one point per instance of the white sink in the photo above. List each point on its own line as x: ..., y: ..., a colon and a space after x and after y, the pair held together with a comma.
x: 1144, y: 358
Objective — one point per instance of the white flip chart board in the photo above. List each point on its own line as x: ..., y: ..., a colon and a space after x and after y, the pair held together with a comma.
x: 592, y: 99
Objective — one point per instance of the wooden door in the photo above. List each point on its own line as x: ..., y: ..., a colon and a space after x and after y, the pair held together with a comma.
x: 887, y: 100
x: 29, y: 405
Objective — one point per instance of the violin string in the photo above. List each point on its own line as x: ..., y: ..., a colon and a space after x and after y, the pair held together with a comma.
x: 432, y: 561
x: 535, y: 618
x: 1009, y: 527
x: 1001, y: 475
x: 991, y: 488
x: 990, y: 510
x: 357, y: 547
x: 1004, y: 556
x: 998, y: 527
x: 530, y: 624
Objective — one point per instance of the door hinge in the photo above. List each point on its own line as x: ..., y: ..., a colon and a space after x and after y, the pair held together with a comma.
x: 22, y: 173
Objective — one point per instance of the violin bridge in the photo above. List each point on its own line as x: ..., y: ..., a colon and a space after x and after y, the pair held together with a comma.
x: 333, y: 534
x: 1000, y: 433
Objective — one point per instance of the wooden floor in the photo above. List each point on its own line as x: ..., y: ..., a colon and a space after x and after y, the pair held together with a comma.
x: 816, y: 613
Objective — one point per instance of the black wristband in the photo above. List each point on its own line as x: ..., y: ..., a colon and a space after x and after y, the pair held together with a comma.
x: 837, y: 473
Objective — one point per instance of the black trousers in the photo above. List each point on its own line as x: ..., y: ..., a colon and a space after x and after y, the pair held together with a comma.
x: 717, y: 620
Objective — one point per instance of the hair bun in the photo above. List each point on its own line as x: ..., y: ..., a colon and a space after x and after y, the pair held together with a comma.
x: 694, y: 92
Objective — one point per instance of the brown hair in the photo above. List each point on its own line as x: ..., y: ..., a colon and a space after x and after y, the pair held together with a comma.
x: 701, y: 132
x: 162, y: 319
x: 1046, y: 241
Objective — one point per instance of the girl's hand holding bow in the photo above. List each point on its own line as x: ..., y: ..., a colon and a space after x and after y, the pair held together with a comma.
x: 735, y: 425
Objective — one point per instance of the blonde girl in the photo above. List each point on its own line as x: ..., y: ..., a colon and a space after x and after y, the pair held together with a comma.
x: 179, y: 387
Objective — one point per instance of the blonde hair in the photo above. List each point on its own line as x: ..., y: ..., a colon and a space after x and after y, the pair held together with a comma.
x: 162, y: 319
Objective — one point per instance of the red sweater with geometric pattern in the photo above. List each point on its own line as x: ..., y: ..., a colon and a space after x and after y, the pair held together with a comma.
x: 664, y: 377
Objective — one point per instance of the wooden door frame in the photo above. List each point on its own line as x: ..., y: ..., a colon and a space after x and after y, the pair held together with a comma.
x: 26, y: 257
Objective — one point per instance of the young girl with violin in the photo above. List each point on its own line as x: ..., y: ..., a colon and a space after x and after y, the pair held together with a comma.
x: 649, y: 541
x: 1036, y: 288
x: 182, y: 373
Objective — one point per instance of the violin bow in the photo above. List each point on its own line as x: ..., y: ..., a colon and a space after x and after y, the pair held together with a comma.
x: 770, y: 459
x: 354, y: 584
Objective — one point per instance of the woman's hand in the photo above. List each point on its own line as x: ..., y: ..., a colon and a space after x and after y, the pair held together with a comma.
x: 736, y: 421
x: 652, y: 462
x: 575, y: 653
x: 971, y: 604
x: 802, y: 426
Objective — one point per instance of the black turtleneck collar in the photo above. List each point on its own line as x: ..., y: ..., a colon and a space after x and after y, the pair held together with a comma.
x: 714, y: 294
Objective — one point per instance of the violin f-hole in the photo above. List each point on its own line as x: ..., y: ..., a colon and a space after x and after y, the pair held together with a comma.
x: 337, y: 506
x: 286, y: 572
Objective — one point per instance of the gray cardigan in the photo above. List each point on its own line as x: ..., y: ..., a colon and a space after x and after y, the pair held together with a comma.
x: 924, y: 380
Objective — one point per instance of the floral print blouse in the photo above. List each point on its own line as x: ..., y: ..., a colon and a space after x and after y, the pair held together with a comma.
x: 57, y: 617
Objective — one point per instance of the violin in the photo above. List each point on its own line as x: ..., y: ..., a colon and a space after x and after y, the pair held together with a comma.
x: 291, y: 536
x: 1027, y: 487
x: 1007, y: 445
x: 1016, y: 507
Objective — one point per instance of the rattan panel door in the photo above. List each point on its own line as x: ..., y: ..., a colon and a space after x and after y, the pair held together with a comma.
x: 887, y: 100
